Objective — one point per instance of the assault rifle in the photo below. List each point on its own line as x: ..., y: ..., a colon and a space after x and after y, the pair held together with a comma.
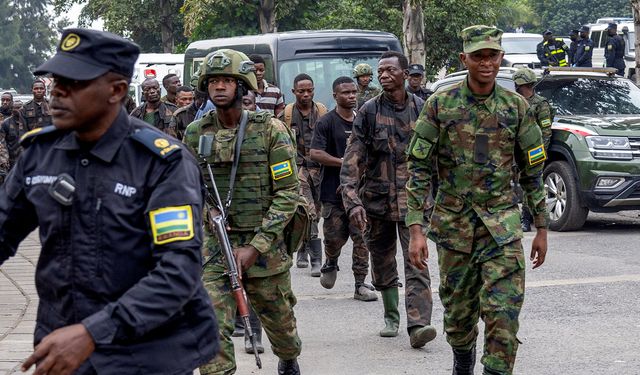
x: 217, y: 215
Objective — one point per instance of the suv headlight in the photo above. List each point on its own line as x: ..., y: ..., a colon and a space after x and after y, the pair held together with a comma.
x: 602, y: 147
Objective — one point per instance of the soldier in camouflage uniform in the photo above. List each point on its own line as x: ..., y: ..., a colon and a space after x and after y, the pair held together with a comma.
x: 525, y: 79
x: 36, y: 110
x: 265, y: 198
x: 372, y: 178
x: 12, y: 129
x: 363, y: 73
x: 475, y: 131
x: 5, y: 105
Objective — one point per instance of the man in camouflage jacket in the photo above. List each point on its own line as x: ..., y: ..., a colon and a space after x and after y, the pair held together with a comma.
x: 372, y: 178
x: 476, y: 131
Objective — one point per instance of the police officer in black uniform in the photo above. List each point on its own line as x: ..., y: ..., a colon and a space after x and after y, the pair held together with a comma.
x: 414, y: 84
x: 585, y: 49
x: 118, y: 205
x: 573, y: 46
x: 614, y: 51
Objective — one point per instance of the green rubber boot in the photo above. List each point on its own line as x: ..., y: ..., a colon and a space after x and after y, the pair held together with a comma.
x: 391, y: 314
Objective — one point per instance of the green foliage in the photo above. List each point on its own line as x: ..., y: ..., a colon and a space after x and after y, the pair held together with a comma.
x: 563, y: 15
x: 28, y: 37
x: 443, y: 21
x: 139, y: 20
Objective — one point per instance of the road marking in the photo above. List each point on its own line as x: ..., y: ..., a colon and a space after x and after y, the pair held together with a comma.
x: 586, y: 280
x: 529, y: 284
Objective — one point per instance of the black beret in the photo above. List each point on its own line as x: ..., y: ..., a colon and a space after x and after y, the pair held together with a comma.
x: 85, y: 54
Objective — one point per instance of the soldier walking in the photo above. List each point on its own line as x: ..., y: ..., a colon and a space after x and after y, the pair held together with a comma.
x: 372, y: 178
x: 154, y: 111
x: 265, y: 198
x: 476, y: 131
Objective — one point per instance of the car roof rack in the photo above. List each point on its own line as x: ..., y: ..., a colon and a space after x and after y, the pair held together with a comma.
x: 608, y: 71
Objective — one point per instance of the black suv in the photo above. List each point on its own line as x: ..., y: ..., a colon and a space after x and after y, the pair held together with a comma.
x: 594, y: 156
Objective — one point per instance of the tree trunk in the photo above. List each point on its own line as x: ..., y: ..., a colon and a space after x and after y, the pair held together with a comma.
x: 413, y: 31
x: 635, y: 5
x: 267, y: 16
x: 166, y: 25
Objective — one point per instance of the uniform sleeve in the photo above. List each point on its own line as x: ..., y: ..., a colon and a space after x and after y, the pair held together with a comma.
x: 544, y: 120
x: 353, y: 164
x: 530, y: 157
x: 609, y: 53
x: 285, y: 186
x: 421, y: 151
x: 174, y: 222
x: 17, y: 215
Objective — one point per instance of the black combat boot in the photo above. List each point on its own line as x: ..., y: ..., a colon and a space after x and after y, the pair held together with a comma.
x: 288, y: 367
x: 315, y: 254
x: 464, y: 361
x: 302, y: 258
x: 329, y: 273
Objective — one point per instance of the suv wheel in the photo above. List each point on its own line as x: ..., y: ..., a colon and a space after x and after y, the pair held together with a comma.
x: 563, y: 200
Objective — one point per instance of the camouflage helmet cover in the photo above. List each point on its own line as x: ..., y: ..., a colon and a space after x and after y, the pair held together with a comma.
x: 362, y: 70
x: 524, y: 76
x: 230, y: 63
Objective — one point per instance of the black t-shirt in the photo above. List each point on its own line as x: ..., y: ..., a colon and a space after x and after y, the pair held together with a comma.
x: 330, y: 135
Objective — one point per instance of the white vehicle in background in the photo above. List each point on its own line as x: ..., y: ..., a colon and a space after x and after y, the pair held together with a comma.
x: 520, y: 50
x: 598, y: 33
x: 154, y: 65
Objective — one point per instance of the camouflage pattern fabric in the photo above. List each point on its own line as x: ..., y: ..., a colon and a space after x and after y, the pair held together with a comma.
x: 265, y: 198
x: 374, y: 168
x: 4, y: 159
x: 483, y: 284
x: 543, y: 114
x: 163, y: 119
x: 336, y: 223
x: 271, y: 298
x: 367, y: 93
x: 36, y: 115
x: 381, y: 238
x: 476, y: 221
x: 12, y: 129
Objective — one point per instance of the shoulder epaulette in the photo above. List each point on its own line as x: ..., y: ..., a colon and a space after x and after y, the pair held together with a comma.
x: 157, y: 143
x: 28, y: 137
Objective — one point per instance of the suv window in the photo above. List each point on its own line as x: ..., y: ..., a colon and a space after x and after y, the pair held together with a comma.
x: 591, y: 96
x: 595, y: 36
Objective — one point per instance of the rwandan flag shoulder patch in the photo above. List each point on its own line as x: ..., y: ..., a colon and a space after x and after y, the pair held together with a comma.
x: 281, y: 170
x: 170, y: 224
x: 537, y: 155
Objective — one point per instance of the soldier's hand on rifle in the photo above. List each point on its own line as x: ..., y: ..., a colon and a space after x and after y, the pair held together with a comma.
x: 245, y: 258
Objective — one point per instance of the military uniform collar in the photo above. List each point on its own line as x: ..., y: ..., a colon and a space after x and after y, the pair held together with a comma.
x: 107, y: 146
x: 489, y: 102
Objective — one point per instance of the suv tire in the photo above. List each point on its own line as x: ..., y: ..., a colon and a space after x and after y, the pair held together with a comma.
x: 566, y: 212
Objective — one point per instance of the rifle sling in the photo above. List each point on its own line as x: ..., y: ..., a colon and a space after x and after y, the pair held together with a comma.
x: 244, y: 119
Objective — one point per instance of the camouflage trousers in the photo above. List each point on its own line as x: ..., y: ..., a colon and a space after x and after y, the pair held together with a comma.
x: 381, y: 238
x: 336, y: 224
x: 487, y: 283
x: 271, y: 298
x: 310, y: 179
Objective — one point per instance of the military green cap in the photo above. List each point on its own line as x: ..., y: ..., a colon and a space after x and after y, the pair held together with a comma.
x: 524, y: 76
x: 475, y: 38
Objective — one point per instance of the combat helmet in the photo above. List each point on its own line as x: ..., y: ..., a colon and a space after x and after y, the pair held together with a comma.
x: 362, y: 70
x: 524, y: 76
x: 230, y: 63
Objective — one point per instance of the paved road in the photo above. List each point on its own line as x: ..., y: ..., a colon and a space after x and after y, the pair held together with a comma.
x: 580, y: 314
